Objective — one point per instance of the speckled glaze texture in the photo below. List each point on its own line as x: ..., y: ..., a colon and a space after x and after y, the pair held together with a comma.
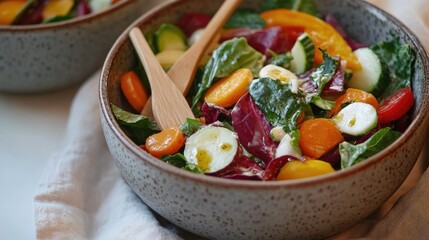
x: 46, y: 57
x: 300, y: 209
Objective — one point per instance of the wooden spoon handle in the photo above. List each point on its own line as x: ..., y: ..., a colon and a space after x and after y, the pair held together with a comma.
x: 170, y: 106
x: 190, y: 60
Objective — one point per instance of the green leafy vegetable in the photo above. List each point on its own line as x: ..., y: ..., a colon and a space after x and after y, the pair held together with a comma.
x: 281, y: 60
x: 280, y: 106
x: 322, y: 103
x: 325, y: 71
x: 59, y: 18
x: 193, y: 168
x: 230, y: 56
x: 177, y: 160
x: 244, y: 18
x: 399, y: 59
x: 353, y: 154
x: 191, y: 126
x: 307, y: 6
x: 136, y: 127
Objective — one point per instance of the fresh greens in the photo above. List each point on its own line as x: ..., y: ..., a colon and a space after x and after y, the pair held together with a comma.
x: 353, y: 154
x: 177, y: 160
x: 136, y: 127
x: 191, y: 126
x: 399, y: 59
x: 245, y: 18
x: 230, y: 56
x: 281, y: 60
x: 308, y: 6
x: 279, y: 104
x: 325, y: 71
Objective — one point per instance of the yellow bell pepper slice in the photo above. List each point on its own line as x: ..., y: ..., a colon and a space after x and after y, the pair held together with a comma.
x: 303, y: 169
x: 321, y: 33
x: 56, y: 8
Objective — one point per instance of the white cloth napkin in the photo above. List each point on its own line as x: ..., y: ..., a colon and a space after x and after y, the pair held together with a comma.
x: 82, y: 196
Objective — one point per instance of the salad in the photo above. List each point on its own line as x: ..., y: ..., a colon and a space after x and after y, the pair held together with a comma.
x: 23, y: 12
x: 284, y: 94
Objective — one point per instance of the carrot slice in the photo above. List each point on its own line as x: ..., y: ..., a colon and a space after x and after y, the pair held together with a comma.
x: 318, y: 136
x: 168, y: 141
x: 133, y: 90
x: 227, y: 91
x: 9, y: 10
x: 354, y: 95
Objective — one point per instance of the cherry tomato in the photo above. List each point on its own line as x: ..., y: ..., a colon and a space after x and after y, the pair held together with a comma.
x: 396, y: 106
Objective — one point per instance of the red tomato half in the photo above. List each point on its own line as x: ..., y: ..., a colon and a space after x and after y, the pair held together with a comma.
x: 396, y: 106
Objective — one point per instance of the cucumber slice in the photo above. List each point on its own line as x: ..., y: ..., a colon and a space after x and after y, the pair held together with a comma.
x: 303, y: 54
x: 170, y: 37
x: 374, y: 75
x: 356, y: 119
x: 169, y: 57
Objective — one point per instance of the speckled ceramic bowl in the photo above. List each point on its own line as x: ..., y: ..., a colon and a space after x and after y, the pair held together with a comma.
x: 43, y: 57
x: 299, y: 209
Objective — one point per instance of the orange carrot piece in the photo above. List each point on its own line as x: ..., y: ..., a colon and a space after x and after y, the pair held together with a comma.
x: 354, y: 95
x: 227, y: 91
x: 9, y: 10
x: 318, y: 136
x: 168, y: 141
x: 133, y: 90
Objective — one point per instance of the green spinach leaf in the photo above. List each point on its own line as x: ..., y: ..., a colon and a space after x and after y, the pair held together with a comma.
x: 308, y: 6
x: 281, y: 60
x: 277, y: 102
x: 191, y: 126
x: 399, y: 59
x: 230, y: 56
x: 136, y: 127
x: 177, y: 160
x: 325, y: 71
x: 245, y: 18
x: 353, y: 154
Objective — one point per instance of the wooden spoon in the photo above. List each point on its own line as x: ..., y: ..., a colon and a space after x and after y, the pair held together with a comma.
x: 170, y: 106
x: 183, y: 71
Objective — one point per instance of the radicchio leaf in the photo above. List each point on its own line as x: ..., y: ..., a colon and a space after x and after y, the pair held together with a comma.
x: 274, y: 167
x: 253, y: 129
x: 263, y: 41
x: 213, y: 113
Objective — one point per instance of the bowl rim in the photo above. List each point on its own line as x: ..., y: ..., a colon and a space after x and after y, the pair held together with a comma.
x: 67, y: 23
x: 421, y: 117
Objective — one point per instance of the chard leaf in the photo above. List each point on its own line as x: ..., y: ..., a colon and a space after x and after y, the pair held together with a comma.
x: 244, y: 18
x: 177, y: 160
x: 399, y: 59
x: 230, y: 56
x: 135, y: 126
x: 191, y: 126
x: 277, y: 102
x: 325, y: 71
x: 353, y: 154
x: 307, y: 6
x: 193, y: 168
x: 281, y: 60
x: 322, y: 103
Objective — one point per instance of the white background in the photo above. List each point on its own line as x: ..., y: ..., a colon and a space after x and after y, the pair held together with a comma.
x: 32, y: 127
